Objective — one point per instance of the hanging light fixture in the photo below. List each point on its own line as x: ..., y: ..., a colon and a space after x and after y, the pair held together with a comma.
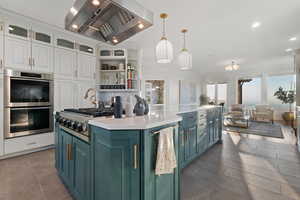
x: 232, y: 67
x: 164, y: 48
x: 184, y: 58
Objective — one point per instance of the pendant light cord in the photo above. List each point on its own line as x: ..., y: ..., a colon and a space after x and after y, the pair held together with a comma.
x: 164, y: 28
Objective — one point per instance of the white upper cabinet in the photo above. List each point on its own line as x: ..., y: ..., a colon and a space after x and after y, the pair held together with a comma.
x: 65, y: 63
x: 17, y: 53
x: 1, y: 47
x: 17, y: 29
x: 42, y: 57
x: 86, y: 66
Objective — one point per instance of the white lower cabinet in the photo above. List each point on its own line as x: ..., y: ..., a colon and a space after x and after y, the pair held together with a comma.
x: 81, y: 89
x: 27, y: 143
x: 17, y: 53
x: 42, y: 56
x: 64, y: 94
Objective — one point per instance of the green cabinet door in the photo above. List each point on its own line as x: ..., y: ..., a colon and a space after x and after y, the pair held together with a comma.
x: 186, y: 144
x: 116, y: 167
x: 192, y: 140
x: 82, y: 170
x: 165, y: 186
x: 57, y: 146
x: 65, y: 150
x: 181, y: 146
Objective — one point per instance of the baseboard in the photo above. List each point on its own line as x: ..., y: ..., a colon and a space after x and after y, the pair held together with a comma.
x: 26, y: 152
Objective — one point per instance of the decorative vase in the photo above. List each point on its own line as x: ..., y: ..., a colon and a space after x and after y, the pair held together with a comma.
x: 288, y: 116
x: 129, y: 106
x: 139, y: 108
x: 118, y: 108
x: 146, y: 107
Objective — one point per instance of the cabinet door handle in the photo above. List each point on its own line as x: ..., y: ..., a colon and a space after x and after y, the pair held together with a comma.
x: 69, y: 151
x: 182, y: 138
x: 33, y: 62
x: 135, y: 156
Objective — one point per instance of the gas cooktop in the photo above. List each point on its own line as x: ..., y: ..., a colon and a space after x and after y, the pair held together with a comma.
x: 94, y: 112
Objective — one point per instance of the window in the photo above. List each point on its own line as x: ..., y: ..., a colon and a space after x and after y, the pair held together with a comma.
x: 222, y: 93
x: 155, y: 90
x: 216, y: 93
x: 287, y: 82
x: 251, y: 91
x: 211, y: 93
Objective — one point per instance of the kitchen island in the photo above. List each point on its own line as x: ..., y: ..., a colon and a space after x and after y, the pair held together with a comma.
x: 118, y: 162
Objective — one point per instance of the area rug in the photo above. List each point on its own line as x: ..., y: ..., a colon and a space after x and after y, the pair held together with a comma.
x: 259, y: 128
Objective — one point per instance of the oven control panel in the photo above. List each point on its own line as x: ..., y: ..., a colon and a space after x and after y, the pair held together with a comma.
x: 74, y: 125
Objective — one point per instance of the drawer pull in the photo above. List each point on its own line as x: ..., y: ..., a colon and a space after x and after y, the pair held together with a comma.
x: 135, y: 156
x: 32, y: 143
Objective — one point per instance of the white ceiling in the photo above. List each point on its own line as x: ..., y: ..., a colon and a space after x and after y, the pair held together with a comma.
x: 219, y: 31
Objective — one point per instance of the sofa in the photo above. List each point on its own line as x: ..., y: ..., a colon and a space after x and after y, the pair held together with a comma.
x: 263, y: 113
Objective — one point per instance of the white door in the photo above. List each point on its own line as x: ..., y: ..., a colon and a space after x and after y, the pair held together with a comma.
x: 65, y: 63
x: 86, y: 67
x: 1, y: 53
x: 17, y: 53
x: 64, y: 94
x: 81, y: 89
x: 42, y: 56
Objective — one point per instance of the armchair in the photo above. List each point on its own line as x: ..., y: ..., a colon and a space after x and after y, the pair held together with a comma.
x: 263, y: 112
x: 236, y: 109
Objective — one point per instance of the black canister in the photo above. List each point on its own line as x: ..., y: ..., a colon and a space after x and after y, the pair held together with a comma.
x: 118, y: 108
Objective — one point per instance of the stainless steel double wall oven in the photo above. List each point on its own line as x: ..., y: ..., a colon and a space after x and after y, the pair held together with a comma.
x: 28, y: 103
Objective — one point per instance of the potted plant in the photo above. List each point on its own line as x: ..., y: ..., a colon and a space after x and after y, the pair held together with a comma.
x: 286, y: 97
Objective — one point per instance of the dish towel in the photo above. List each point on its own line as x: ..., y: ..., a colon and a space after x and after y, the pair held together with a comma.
x: 166, y: 157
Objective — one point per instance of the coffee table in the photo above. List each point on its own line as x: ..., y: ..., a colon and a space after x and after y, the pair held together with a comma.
x: 235, y: 120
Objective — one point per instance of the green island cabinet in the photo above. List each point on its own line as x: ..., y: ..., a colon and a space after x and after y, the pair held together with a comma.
x: 120, y: 164
x: 198, y: 131
x: 115, y: 165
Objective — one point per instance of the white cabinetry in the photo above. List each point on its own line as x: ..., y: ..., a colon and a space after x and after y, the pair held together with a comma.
x: 1, y: 118
x: 64, y: 94
x: 65, y: 63
x: 1, y: 53
x: 86, y: 66
x: 42, y: 57
x: 28, y: 49
x: 17, y: 53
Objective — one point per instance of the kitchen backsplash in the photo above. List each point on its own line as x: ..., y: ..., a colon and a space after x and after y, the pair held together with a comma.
x: 106, y: 96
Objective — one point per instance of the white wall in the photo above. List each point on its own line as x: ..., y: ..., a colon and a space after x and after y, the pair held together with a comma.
x: 168, y: 72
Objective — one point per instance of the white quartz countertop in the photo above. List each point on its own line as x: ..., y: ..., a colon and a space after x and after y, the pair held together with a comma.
x: 154, y: 119
x: 158, y: 116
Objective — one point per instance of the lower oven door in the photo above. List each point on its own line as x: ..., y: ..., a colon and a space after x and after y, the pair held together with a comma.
x: 27, y: 121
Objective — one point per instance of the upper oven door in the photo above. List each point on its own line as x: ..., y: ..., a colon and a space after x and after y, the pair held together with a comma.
x: 20, y: 92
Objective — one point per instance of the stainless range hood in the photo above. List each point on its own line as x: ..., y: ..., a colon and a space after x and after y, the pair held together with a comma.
x: 111, y: 21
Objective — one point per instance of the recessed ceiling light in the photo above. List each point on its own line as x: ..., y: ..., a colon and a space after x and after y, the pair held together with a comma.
x: 115, y: 40
x: 73, y: 11
x: 256, y: 24
x: 141, y: 26
x: 289, y: 50
x: 96, y: 2
x: 75, y: 26
x: 293, y: 39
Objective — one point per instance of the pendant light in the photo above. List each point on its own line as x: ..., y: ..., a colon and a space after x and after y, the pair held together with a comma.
x: 184, y: 57
x: 164, y: 48
x: 232, y: 67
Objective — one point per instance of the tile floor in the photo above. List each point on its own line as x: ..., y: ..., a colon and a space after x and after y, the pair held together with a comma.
x: 245, y: 167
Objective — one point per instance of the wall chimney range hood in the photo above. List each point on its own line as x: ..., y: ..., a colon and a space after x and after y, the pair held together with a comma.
x: 111, y: 21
